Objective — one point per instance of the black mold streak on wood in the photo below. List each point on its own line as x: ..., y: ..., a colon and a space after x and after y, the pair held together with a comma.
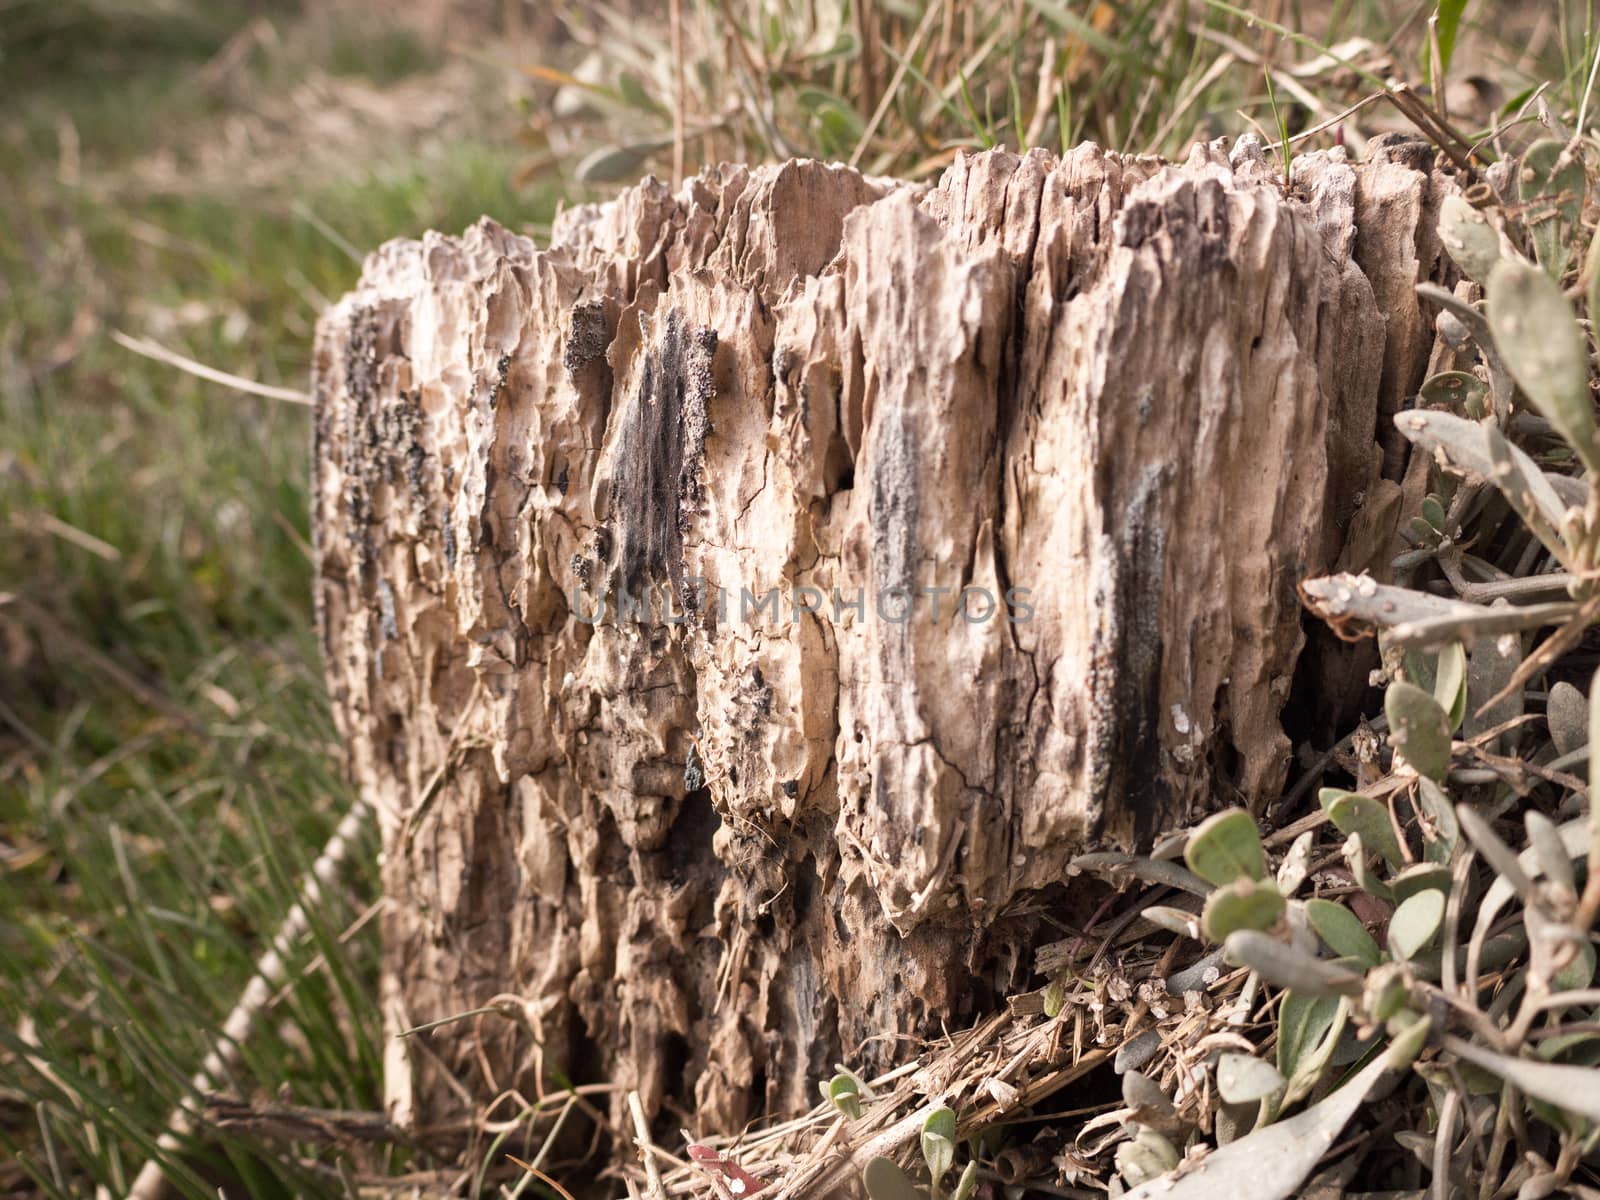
x: 1137, y: 758
x: 657, y: 489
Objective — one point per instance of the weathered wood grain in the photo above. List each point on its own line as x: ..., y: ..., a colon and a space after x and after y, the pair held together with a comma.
x: 709, y: 852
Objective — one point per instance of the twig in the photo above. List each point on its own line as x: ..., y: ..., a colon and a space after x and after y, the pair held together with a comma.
x: 227, y: 1050
x: 647, y: 1148
x: 296, y: 1123
x: 46, y: 522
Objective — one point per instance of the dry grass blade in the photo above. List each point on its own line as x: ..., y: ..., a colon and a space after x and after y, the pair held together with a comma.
x: 542, y: 1178
x: 893, y: 89
x: 159, y: 353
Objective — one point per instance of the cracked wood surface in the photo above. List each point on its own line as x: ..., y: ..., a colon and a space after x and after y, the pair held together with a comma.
x: 712, y: 851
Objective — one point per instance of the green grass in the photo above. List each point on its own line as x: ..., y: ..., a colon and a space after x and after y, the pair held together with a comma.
x: 1139, y: 76
x: 167, y: 760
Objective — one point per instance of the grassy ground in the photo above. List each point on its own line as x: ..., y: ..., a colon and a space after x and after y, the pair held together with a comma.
x: 166, y: 774
x: 195, y: 173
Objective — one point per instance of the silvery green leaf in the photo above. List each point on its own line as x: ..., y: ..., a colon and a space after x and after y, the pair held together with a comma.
x: 968, y: 1183
x: 1296, y: 864
x: 1419, y: 730
x: 1551, y: 1049
x: 1471, y: 241
x: 617, y: 164
x: 1303, y: 1025
x: 1461, y: 311
x: 1415, y: 922
x: 1472, y: 321
x: 1441, y: 831
x: 1316, y: 1053
x: 1421, y: 533
x: 1574, y: 836
x: 1522, y: 488
x: 1490, y: 665
x: 1550, y: 183
x: 1458, y: 391
x: 1420, y: 667
x: 1114, y: 863
x: 1567, y: 714
x: 1579, y: 973
x: 845, y: 1094
x: 1272, y: 1163
x: 1226, y: 847
x: 939, y: 1142
x: 1146, y: 1158
x: 1355, y: 857
x: 1141, y: 1093
x: 1243, y: 1078
x: 1495, y: 852
x: 1175, y: 920
x: 1456, y: 335
x: 1343, y: 931
x: 1351, y: 812
x: 1545, y: 842
x: 1420, y: 877
x: 1242, y: 904
x: 1539, y: 338
x: 1575, y: 1089
x: 1285, y: 967
x: 1482, y: 451
x: 1450, y: 683
x: 886, y: 1181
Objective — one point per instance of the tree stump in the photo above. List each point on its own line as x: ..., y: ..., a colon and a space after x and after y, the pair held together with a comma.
x: 740, y: 611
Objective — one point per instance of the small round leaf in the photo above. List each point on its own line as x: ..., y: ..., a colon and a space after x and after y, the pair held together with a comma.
x: 1353, y: 813
x: 1244, y: 1079
x: 1415, y: 922
x: 1343, y: 931
x: 1242, y: 904
x: 1226, y: 847
x: 939, y: 1141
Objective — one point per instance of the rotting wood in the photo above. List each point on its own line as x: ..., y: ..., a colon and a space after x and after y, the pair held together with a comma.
x: 715, y: 855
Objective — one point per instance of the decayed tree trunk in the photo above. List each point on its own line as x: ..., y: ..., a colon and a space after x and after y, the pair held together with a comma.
x: 1117, y: 408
